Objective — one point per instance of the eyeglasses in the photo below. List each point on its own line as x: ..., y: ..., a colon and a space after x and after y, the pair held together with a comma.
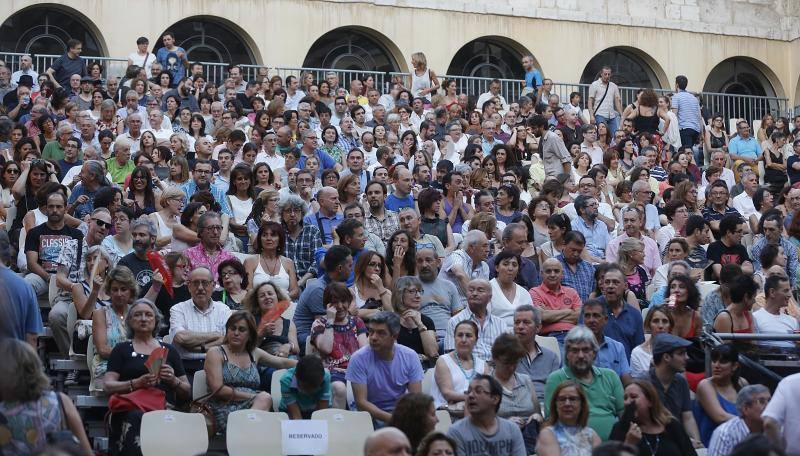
x: 102, y: 224
x: 203, y: 171
x: 214, y: 227
x: 228, y: 273
x: 413, y: 291
x: 12, y: 171
x: 374, y: 264
x: 201, y: 283
x: 565, y: 399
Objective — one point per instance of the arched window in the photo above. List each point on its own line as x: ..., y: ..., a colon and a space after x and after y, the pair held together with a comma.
x: 209, y: 40
x: 628, y: 69
x: 348, y: 48
x: 739, y: 76
x: 487, y: 57
x: 45, y: 29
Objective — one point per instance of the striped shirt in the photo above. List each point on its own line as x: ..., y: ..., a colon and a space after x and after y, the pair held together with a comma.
x: 487, y: 333
x: 185, y: 316
x: 582, y: 279
x: 688, y: 110
x: 726, y: 436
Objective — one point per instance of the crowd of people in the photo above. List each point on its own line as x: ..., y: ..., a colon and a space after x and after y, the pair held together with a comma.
x: 552, y: 261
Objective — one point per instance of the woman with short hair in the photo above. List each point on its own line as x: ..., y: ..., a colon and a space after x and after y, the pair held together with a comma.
x: 417, y: 331
x: 566, y: 431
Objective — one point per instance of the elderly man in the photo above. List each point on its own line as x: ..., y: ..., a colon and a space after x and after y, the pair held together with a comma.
x: 493, y: 93
x: 539, y: 361
x: 208, y: 251
x: 143, y: 234
x: 201, y: 180
x: 440, y: 300
x: 488, y: 140
x: 632, y: 223
x: 729, y: 248
x: 92, y: 178
x: 610, y: 353
x: 410, y: 221
x: 515, y: 240
x: 302, y: 240
x: 743, y: 147
x: 602, y: 386
x: 743, y: 202
x: 468, y: 263
x: 89, y: 134
x: 54, y: 150
x: 594, y: 231
x: 384, y: 370
x: 719, y: 159
x: 328, y: 217
x: 156, y: 122
x: 578, y: 273
x: 132, y: 106
x: 120, y: 166
x: 559, y: 304
x: 26, y: 68
x: 198, y: 324
x: 483, y: 432
x: 669, y: 359
x: 625, y: 323
x: 380, y: 220
x: 310, y: 149
x: 479, y: 295
x: 388, y: 441
x: 770, y: 226
x: 717, y: 206
x: 750, y: 403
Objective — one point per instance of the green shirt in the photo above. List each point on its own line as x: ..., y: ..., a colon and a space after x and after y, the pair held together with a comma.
x: 604, y: 393
x: 119, y: 173
x: 53, y: 151
x: 291, y: 394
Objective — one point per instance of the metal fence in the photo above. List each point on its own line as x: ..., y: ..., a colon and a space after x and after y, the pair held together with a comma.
x: 731, y: 106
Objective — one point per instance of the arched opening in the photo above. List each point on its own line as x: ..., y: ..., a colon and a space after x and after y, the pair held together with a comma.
x: 489, y: 57
x: 630, y: 68
x: 210, y: 39
x: 748, y: 78
x: 46, y: 28
x: 352, y: 48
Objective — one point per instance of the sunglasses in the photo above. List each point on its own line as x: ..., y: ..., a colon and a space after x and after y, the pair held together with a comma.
x: 12, y: 171
x: 102, y: 224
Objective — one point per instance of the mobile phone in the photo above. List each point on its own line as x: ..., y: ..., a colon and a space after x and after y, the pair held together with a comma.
x: 628, y: 414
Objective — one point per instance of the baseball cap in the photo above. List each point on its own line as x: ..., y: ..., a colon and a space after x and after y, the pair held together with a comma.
x: 665, y: 343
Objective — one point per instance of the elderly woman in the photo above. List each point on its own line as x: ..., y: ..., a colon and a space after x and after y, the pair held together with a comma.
x: 231, y: 371
x: 165, y: 219
x: 30, y: 410
x: 369, y: 293
x: 233, y: 280
x: 506, y: 294
x: 652, y: 429
x: 566, y: 431
x: 279, y: 337
x: 271, y: 264
x: 454, y: 370
x: 108, y: 323
x: 301, y: 240
x: 127, y: 373
x: 336, y: 336
x: 658, y: 321
x: 417, y: 331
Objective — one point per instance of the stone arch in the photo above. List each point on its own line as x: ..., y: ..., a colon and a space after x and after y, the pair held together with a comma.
x: 355, y: 47
x: 631, y: 67
x: 748, y: 77
x: 45, y: 28
x: 213, y: 39
x: 490, y: 57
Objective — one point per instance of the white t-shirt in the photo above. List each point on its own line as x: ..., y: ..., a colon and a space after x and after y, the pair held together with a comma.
x: 768, y: 323
x: 640, y: 362
x: 783, y: 409
x: 145, y: 61
x: 744, y: 204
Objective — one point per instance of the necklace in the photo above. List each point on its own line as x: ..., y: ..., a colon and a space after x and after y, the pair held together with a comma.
x: 458, y: 361
x: 274, y: 269
x: 657, y: 444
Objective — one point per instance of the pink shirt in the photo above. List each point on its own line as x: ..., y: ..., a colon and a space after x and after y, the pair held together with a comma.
x: 652, y: 257
x: 198, y: 257
x: 564, y: 298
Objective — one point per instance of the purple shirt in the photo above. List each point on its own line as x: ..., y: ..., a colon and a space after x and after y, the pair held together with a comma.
x: 386, y: 380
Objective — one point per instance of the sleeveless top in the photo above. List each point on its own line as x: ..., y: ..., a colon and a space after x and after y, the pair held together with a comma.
x: 163, y: 229
x: 115, y: 333
x: 240, y: 379
x: 270, y: 344
x: 704, y: 422
x: 362, y: 303
x: 644, y: 123
x: 459, y: 220
x: 281, y: 279
x: 773, y: 175
x: 241, y: 209
x: 573, y: 440
x: 637, y: 283
x: 459, y: 377
x: 717, y: 142
x: 421, y: 82
x: 435, y: 227
x: 25, y: 425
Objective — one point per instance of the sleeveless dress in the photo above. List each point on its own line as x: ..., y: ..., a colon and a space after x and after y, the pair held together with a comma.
x: 239, y: 379
x: 270, y: 344
x: 573, y: 440
x: 637, y: 283
x: 115, y: 333
x: 281, y: 279
x: 644, y: 123
x: 25, y: 425
x: 421, y: 82
x: 459, y: 377
x: 704, y: 422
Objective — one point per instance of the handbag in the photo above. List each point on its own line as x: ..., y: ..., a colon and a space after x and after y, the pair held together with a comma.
x: 200, y: 405
x: 145, y: 399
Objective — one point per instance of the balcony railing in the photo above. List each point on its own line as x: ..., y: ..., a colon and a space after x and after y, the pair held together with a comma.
x: 730, y: 106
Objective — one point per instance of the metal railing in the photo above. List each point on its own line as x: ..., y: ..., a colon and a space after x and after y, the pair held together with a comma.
x: 731, y: 106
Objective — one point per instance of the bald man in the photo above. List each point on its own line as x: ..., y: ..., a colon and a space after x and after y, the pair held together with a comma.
x: 560, y: 304
x: 388, y: 441
x: 328, y: 217
x: 479, y: 295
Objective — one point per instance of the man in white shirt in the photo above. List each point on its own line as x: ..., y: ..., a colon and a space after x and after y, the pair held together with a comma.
x: 418, y: 112
x: 743, y: 202
x: 589, y: 144
x: 719, y: 159
x: 493, y: 93
x: 156, y: 118
x: 268, y: 155
x: 26, y: 67
x: 293, y: 93
x: 769, y: 318
x: 604, y: 98
x: 198, y: 324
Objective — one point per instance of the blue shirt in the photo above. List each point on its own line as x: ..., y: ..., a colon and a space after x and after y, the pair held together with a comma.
x: 745, y: 147
x: 627, y: 327
x: 582, y: 279
x: 309, y: 307
x: 172, y: 64
x: 788, y: 249
x: 487, y: 146
x: 325, y: 224
x: 190, y: 188
x: 612, y: 356
x: 82, y: 210
x: 533, y: 79
x: 597, y: 236
x: 325, y: 160
x: 23, y: 316
x: 394, y: 203
x: 688, y: 111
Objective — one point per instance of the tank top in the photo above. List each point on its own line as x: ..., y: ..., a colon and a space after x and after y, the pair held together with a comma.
x: 459, y: 377
x: 421, y: 82
x: 163, y: 229
x: 241, y: 209
x: 281, y: 278
x: 705, y: 424
x: 573, y: 440
x: 717, y: 142
x: 644, y: 123
x: 27, y: 424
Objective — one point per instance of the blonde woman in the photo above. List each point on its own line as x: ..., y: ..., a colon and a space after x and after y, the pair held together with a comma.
x: 168, y: 216
x: 631, y: 261
x: 179, y: 144
x: 424, y: 82
x: 108, y: 323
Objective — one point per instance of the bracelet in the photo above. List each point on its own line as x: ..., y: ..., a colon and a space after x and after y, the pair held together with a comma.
x: 131, y: 382
x: 385, y: 290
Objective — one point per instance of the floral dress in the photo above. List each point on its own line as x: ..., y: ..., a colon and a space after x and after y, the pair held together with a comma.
x: 239, y: 379
x: 345, y: 343
x: 115, y: 333
x: 573, y: 440
x: 24, y: 425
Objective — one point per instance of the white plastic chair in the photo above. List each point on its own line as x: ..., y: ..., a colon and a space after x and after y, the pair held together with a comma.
x: 275, y: 388
x: 199, y: 385
x: 445, y: 421
x: 174, y: 433
x: 347, y: 430
x: 253, y: 431
x: 550, y: 343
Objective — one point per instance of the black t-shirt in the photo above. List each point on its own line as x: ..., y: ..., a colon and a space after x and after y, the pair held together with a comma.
x: 65, y: 67
x: 130, y: 365
x: 49, y: 243
x: 721, y: 254
x: 411, y: 338
x: 141, y: 270
x: 66, y: 166
x: 672, y: 442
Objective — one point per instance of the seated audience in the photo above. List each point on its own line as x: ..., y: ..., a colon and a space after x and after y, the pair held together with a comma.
x: 716, y: 396
x: 567, y: 430
x: 415, y: 415
x: 658, y: 321
x: 305, y: 388
x: 750, y: 403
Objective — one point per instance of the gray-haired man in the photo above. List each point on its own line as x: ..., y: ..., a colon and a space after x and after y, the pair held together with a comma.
x: 144, y: 235
x: 539, y: 361
x: 750, y: 403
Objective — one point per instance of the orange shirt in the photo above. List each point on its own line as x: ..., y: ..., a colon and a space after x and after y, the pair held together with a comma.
x: 565, y: 298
